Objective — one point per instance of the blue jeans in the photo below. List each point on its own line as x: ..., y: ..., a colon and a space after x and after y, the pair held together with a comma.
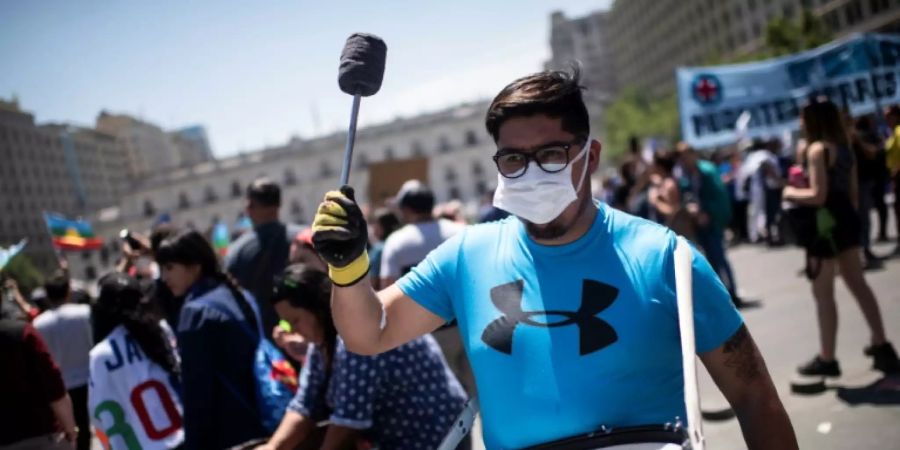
x: 712, y: 240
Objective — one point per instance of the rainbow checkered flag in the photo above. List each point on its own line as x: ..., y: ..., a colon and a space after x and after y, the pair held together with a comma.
x: 70, y: 234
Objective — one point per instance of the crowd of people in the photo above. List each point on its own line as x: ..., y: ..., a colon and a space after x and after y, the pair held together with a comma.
x: 818, y: 193
x: 370, y: 329
x: 203, y: 352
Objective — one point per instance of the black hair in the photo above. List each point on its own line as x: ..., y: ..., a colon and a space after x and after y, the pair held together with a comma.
x: 160, y: 233
x: 305, y: 287
x: 189, y: 247
x: 666, y: 160
x: 822, y: 121
x: 57, y: 287
x: 387, y: 220
x: 121, y: 303
x: 894, y: 111
x: 556, y: 94
x: 265, y: 192
x: 419, y: 199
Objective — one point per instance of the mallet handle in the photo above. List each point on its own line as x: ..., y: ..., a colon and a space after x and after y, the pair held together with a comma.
x: 685, y: 300
x: 351, y: 139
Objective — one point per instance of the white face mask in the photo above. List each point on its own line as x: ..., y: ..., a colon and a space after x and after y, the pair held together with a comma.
x: 538, y: 196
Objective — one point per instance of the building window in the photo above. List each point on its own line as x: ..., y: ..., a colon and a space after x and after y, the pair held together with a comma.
x: 477, y: 169
x: 788, y: 11
x: 453, y: 193
x: 389, y: 153
x: 296, y: 209
x: 471, y: 138
x: 183, y: 201
x: 450, y: 175
x: 876, y: 6
x: 209, y: 194
x: 853, y: 12
x: 149, y: 209
x: 290, y: 178
x: 443, y: 144
x: 325, y: 170
x: 362, y: 161
x: 417, y: 148
x: 236, y: 189
x: 481, y: 188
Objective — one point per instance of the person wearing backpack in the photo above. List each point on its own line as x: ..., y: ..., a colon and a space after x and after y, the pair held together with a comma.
x: 220, y: 339
x: 132, y: 393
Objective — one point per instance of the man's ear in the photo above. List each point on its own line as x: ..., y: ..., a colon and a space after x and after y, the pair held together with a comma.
x: 594, y: 155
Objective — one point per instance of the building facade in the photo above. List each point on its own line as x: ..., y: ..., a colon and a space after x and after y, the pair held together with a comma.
x: 453, y: 142
x: 649, y: 39
x: 52, y: 168
x: 191, y: 145
x: 148, y: 148
x: 585, y: 39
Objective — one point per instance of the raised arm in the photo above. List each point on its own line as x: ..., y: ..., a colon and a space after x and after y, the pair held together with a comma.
x: 369, y: 322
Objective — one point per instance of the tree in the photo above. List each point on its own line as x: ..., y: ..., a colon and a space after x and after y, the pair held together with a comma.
x: 27, y: 276
x: 784, y: 36
x: 634, y: 113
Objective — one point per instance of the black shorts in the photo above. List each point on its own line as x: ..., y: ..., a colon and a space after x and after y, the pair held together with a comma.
x: 846, y: 233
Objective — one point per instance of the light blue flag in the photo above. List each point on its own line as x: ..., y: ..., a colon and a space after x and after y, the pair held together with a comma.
x: 6, y: 254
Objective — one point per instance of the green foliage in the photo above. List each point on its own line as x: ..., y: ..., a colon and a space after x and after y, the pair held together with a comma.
x: 784, y: 36
x: 634, y: 113
x: 27, y: 276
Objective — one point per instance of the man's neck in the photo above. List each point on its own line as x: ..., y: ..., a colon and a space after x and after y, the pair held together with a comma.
x: 420, y: 218
x: 265, y: 222
x: 587, y: 213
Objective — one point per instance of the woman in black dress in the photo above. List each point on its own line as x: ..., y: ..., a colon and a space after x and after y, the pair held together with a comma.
x: 831, y: 188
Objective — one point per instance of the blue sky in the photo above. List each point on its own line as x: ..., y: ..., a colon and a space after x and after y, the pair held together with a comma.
x: 255, y: 73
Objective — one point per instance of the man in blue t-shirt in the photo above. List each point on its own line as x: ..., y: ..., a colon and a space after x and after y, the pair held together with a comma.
x: 567, y: 310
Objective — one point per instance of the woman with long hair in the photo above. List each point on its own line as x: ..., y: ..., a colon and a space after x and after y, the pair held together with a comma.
x: 218, y: 382
x: 665, y: 197
x: 831, y: 188
x: 406, y: 398
x: 134, y: 371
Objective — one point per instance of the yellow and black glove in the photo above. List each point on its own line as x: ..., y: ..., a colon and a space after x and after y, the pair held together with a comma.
x: 340, y: 236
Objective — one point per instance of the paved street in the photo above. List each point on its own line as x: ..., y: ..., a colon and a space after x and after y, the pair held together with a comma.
x: 784, y: 327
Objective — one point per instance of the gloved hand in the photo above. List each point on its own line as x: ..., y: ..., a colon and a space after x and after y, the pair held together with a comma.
x: 340, y: 235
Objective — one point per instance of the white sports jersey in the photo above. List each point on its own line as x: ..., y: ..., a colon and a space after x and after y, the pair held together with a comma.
x: 133, y: 401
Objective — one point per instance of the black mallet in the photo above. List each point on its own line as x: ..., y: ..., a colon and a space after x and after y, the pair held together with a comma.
x: 360, y: 75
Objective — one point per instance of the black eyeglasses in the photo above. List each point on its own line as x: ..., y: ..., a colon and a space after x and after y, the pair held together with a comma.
x: 551, y: 159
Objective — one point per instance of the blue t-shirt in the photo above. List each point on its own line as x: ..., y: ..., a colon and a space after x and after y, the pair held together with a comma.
x: 405, y: 398
x: 566, y: 339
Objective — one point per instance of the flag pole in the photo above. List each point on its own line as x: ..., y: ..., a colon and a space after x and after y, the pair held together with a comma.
x: 56, y: 250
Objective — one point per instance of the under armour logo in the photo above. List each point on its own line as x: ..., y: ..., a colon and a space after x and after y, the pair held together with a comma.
x: 594, y: 332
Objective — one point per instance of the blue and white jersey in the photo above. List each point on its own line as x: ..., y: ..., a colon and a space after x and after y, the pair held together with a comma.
x: 565, y: 339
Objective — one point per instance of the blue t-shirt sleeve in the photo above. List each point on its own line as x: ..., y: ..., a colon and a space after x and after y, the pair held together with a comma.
x: 353, y: 402
x: 428, y: 284
x: 715, y: 317
x: 311, y: 387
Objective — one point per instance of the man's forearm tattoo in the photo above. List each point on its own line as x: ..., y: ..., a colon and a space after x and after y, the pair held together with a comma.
x: 741, y: 355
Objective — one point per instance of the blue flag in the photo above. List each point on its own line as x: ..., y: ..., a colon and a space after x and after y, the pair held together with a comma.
x: 860, y: 73
x: 6, y: 254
